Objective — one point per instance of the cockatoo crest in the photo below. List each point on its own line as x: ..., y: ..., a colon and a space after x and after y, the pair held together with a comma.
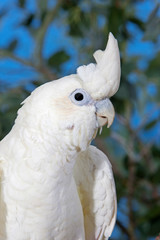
x: 105, y: 73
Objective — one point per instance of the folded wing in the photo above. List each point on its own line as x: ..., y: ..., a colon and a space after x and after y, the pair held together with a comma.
x: 96, y: 188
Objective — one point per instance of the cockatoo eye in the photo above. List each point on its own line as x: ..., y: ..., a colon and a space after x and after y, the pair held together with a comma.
x: 80, y: 97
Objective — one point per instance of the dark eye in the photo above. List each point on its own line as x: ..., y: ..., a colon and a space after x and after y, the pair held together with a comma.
x: 80, y: 97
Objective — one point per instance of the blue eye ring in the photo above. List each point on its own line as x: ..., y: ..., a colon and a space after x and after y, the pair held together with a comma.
x: 80, y: 97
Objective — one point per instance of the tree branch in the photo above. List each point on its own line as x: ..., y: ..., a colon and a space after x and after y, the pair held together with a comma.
x: 51, y: 14
x: 39, y: 66
x: 126, y: 146
x: 124, y: 230
x: 41, y: 69
x: 132, y: 159
x: 7, y: 54
x: 130, y: 197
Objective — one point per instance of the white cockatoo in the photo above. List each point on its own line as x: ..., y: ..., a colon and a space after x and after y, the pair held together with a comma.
x: 53, y: 184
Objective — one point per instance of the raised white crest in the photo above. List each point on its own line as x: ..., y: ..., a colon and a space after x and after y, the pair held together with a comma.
x: 102, y: 79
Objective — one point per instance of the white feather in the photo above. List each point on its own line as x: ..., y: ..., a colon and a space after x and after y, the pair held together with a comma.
x: 94, y: 179
x: 105, y: 73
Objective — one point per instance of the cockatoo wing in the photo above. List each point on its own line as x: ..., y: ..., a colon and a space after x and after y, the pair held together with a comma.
x: 96, y: 188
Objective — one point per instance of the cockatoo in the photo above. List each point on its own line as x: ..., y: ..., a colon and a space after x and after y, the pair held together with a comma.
x: 53, y: 184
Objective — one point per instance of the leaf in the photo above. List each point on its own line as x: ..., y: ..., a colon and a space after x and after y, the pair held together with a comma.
x: 42, y: 5
x: 138, y: 22
x: 152, y: 25
x: 153, y: 69
x: 141, y: 171
x: 116, y: 19
x: 155, y: 152
x: 154, y: 177
x: 151, y: 124
x: 22, y: 3
x: 3, y: 12
x: 28, y: 21
x: 78, y: 21
x: 126, y: 162
x: 58, y: 58
x: 68, y: 4
x: 126, y: 91
x: 105, y: 132
x: 13, y: 45
x: 119, y: 104
x: 43, y: 15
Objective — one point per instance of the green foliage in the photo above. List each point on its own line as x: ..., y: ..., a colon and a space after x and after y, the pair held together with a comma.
x: 9, y: 104
x: 135, y: 158
x: 150, y: 125
x: 57, y: 59
x: 12, y: 45
x: 22, y: 3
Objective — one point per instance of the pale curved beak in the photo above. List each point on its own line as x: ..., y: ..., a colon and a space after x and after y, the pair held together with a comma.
x: 105, y: 113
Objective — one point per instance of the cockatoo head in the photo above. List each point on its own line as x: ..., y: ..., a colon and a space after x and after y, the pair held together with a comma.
x: 72, y: 108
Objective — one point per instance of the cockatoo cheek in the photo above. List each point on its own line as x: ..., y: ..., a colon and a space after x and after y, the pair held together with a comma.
x: 82, y: 124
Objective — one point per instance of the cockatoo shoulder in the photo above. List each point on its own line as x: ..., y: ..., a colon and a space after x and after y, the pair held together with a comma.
x: 96, y: 187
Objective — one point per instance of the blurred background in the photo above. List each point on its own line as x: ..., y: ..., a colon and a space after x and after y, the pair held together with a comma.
x: 42, y: 40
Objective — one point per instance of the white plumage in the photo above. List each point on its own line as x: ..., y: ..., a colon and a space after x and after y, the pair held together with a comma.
x: 53, y: 184
x: 94, y: 179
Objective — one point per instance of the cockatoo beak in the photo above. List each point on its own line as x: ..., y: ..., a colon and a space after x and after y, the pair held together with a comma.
x: 105, y: 112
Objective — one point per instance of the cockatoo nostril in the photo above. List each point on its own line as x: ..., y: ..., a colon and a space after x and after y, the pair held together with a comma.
x: 100, y: 115
x: 101, y: 119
